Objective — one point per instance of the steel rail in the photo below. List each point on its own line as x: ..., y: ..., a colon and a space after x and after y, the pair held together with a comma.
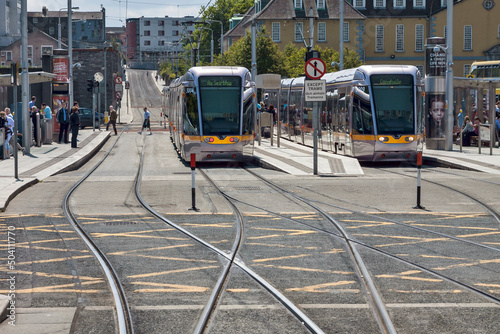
x: 124, y: 317
x: 378, y: 307
x: 299, y: 314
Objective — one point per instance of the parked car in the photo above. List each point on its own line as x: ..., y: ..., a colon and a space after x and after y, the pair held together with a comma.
x: 86, y: 118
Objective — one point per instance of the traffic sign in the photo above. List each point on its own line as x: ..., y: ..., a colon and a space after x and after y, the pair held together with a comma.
x: 315, y: 91
x: 118, y: 95
x: 315, y: 68
x: 118, y: 80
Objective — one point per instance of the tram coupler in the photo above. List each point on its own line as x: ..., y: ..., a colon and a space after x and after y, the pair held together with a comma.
x: 193, y: 187
x: 419, y: 170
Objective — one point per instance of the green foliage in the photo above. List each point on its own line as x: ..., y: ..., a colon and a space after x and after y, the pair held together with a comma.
x: 269, y: 57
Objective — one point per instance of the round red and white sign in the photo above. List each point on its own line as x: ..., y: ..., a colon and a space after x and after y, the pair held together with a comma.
x: 118, y: 80
x: 118, y: 95
x: 315, y: 68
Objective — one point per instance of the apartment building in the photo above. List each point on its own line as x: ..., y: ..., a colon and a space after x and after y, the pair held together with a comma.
x: 151, y: 39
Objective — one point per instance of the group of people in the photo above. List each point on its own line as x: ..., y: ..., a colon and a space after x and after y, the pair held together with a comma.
x: 68, y: 120
x: 471, y: 128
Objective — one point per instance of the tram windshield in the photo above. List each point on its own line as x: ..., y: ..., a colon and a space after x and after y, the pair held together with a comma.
x: 220, y: 101
x: 393, y: 99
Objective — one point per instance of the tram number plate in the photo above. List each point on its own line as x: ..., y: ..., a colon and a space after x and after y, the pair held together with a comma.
x: 315, y: 90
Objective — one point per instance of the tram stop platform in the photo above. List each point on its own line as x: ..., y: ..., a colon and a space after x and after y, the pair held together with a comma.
x: 296, y: 159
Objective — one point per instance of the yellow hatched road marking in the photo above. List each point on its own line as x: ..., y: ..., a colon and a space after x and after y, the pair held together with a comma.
x: 172, y: 272
x: 324, y: 287
x: 149, y: 249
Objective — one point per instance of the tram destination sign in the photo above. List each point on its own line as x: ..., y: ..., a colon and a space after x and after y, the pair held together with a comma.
x: 315, y: 90
x: 221, y: 81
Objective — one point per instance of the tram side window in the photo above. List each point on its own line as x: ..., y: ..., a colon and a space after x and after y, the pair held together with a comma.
x: 248, y: 116
x: 362, y: 121
x: 190, y: 114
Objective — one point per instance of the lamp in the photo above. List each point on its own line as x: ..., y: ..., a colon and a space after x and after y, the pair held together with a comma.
x: 59, y: 26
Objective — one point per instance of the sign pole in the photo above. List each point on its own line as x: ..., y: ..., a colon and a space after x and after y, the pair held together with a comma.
x: 315, y: 138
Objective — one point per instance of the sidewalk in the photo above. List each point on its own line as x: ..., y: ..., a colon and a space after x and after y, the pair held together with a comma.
x: 45, y: 161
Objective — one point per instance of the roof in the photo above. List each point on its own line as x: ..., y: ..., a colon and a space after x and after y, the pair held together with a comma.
x: 75, y: 16
x: 284, y: 10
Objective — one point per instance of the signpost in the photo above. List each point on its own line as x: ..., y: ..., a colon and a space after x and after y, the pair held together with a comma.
x: 315, y: 91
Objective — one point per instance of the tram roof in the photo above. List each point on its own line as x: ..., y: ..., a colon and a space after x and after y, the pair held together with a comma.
x: 218, y: 70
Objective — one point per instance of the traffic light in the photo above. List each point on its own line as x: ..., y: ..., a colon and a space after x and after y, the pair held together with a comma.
x: 90, y: 85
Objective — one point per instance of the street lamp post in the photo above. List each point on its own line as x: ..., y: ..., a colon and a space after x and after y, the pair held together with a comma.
x: 59, y: 27
x: 211, y: 45
x: 221, y: 36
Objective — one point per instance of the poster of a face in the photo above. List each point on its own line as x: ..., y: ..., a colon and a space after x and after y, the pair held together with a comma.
x: 435, y: 116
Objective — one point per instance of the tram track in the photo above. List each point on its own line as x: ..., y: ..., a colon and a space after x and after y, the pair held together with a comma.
x: 232, y: 260
x: 123, y: 313
x: 491, y: 298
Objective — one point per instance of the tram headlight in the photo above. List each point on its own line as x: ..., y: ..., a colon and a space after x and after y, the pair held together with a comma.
x: 383, y: 139
x: 409, y: 139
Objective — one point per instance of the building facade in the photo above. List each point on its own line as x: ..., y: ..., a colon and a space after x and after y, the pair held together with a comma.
x: 88, y: 28
x: 152, y: 39
x: 10, y: 21
x: 381, y: 31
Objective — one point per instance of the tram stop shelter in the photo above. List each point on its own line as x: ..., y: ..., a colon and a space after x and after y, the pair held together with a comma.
x: 482, y: 91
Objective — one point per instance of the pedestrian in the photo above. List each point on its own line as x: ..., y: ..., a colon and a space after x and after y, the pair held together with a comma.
x: 112, y: 119
x: 147, y: 122
x: 10, y: 140
x: 4, y: 125
x: 35, y: 118
x: 62, y: 118
x: 32, y: 102
x: 47, y: 113
x: 74, y: 121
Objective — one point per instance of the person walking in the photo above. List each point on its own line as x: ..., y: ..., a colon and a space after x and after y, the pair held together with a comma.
x: 112, y: 119
x: 74, y: 122
x: 147, y: 122
x: 62, y: 118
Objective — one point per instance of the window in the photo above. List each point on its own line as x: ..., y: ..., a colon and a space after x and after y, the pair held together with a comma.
x: 399, y: 3
x: 52, y: 30
x: 379, y: 4
x: 418, y: 3
x: 400, y: 37
x: 46, y: 50
x: 175, y: 23
x: 175, y: 32
x: 443, y: 3
x: 379, y: 38
x: 147, y: 23
x: 297, y: 3
x: 147, y: 33
x: 161, y: 32
x: 146, y: 43
x: 30, y: 51
x: 8, y: 55
x: 467, y: 38
x: 298, y: 32
x: 445, y: 32
x: 276, y: 32
x: 35, y: 20
x: 359, y: 4
x: 321, y: 4
x: 466, y: 70
x: 321, y: 31
x: 160, y: 43
x: 161, y: 23
x: 346, y: 32
x: 498, y: 36
x: 419, y: 37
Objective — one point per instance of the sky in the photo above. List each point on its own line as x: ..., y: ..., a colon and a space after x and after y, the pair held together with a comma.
x: 118, y: 10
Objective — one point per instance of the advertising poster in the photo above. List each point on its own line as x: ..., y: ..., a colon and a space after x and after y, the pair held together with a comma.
x: 60, y: 67
x: 56, y: 105
x: 436, y: 108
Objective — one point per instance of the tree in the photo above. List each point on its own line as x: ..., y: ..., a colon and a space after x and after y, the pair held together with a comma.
x: 269, y: 57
